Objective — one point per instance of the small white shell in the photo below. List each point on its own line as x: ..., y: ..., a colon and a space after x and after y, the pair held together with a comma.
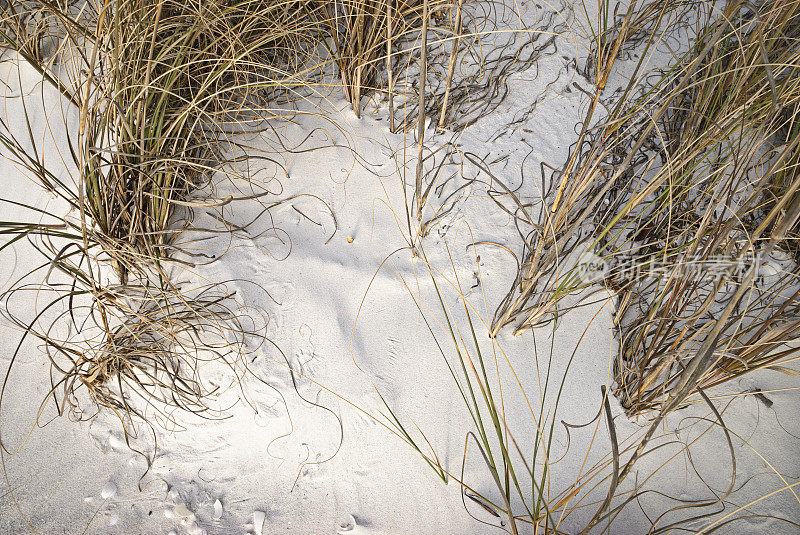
x: 258, y: 521
x: 109, y: 490
x: 182, y: 511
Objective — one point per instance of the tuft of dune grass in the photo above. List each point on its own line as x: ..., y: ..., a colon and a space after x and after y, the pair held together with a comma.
x: 681, y: 194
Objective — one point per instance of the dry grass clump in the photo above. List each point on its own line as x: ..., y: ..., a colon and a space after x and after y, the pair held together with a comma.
x: 518, y: 455
x: 686, y: 196
x: 159, y: 86
x: 364, y: 34
x: 571, y: 194
x: 714, y: 220
x: 158, y: 91
x: 135, y: 350
x: 447, y: 60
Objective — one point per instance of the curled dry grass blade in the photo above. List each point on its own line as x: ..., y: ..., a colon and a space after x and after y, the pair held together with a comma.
x: 471, y: 55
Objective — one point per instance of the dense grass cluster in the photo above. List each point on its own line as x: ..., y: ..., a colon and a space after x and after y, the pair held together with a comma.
x: 686, y: 194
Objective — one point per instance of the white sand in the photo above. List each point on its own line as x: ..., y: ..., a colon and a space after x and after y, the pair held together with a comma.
x: 344, y: 318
